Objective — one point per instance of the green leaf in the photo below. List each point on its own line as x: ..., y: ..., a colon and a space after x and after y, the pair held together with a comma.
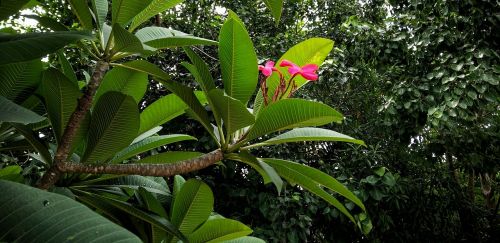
x: 308, y: 134
x: 178, y: 183
x: 238, y: 60
x: 192, y: 206
x: 169, y: 157
x: 128, y: 208
x: 275, y: 6
x: 148, y: 144
x: 310, y: 51
x: 156, y: 185
x: 123, y: 11
x: 154, y: 205
x: 234, y: 114
x: 12, y: 173
x: 10, y: 7
x: 290, y: 113
x: 100, y: 8
x: 267, y: 172
x: 34, y: 215
x: 114, y: 125
x: 126, y: 81
x: 66, y: 67
x: 217, y: 230
x: 12, y: 112
x: 81, y: 10
x: 246, y: 239
x: 29, y: 46
x: 123, y: 43
x: 18, y: 81
x: 35, y: 142
x: 313, y: 180
x: 155, y: 7
x: 163, y: 110
x: 147, y: 133
x: 200, y: 71
x: 48, y: 22
x: 61, y: 98
x: 162, y: 38
x: 185, y: 93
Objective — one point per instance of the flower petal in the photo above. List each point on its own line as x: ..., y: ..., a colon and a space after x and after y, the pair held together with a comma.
x: 269, y: 64
x: 286, y: 63
x: 267, y: 71
x: 309, y: 76
x: 294, y: 69
x: 310, y: 68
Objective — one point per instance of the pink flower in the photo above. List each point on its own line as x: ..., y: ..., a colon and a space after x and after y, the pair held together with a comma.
x: 268, y: 68
x: 307, y: 71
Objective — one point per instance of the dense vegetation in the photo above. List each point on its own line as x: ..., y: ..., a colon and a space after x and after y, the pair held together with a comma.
x: 417, y: 81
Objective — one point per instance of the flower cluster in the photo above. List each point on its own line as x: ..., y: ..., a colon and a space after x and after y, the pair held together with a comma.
x: 289, y: 86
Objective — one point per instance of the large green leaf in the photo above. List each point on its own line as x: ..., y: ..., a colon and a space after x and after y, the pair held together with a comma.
x: 156, y: 185
x: 290, y: 113
x: 267, y: 172
x: 123, y: 43
x: 234, y: 114
x: 66, y: 67
x: 155, y: 7
x: 310, y: 51
x: 161, y: 38
x: 81, y: 10
x: 123, y: 11
x: 217, y: 230
x: 128, y: 208
x: 246, y: 239
x: 12, y: 112
x: 10, y: 7
x: 148, y: 144
x: 238, y: 60
x: 126, y: 81
x: 185, y: 93
x: 154, y: 205
x: 31, y: 215
x: 18, y: 81
x: 308, y: 134
x: 192, y: 206
x: 25, y: 47
x: 61, y: 98
x: 275, y: 6
x: 113, y: 126
x: 200, y: 71
x: 313, y: 180
x: 100, y: 8
x: 169, y: 157
x: 165, y: 109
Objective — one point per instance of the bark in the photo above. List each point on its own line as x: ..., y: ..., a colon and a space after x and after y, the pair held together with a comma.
x: 74, y: 123
x: 164, y: 170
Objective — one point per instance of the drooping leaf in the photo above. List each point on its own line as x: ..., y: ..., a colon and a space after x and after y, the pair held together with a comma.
x: 291, y: 113
x: 12, y: 112
x: 123, y: 43
x: 276, y: 7
x: 162, y: 38
x: 113, y: 126
x: 310, y: 51
x: 148, y: 144
x: 308, y: 134
x: 66, y: 67
x: 313, y: 180
x: 35, y: 142
x: 217, y: 230
x: 123, y: 11
x: 267, y: 172
x: 155, y: 7
x: 81, y: 10
x: 169, y: 157
x: 234, y: 114
x: 100, y: 8
x: 10, y: 7
x: 18, y: 81
x: 164, y: 109
x: 126, y: 81
x: 61, y: 98
x: 29, y: 46
x: 52, y: 218
x: 238, y: 60
x: 192, y: 206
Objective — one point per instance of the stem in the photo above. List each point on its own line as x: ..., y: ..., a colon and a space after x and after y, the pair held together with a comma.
x: 165, y: 170
x: 52, y: 175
